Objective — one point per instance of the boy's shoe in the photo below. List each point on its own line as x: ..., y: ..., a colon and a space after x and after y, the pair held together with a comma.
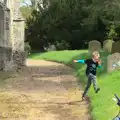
x: 85, y: 97
x: 97, y: 90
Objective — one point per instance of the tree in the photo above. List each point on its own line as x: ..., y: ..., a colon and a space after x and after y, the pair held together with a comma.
x: 26, y: 11
x: 74, y: 21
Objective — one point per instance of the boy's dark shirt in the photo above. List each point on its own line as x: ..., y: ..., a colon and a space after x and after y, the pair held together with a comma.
x: 91, y: 66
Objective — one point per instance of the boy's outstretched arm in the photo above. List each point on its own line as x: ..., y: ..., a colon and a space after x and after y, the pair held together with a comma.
x: 79, y: 61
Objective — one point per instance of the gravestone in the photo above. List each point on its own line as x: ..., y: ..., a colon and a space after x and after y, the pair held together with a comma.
x: 116, y: 47
x: 94, y: 46
x: 113, y: 62
x: 107, y: 45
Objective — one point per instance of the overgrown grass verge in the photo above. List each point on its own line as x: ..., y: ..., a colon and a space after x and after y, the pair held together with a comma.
x: 102, y: 105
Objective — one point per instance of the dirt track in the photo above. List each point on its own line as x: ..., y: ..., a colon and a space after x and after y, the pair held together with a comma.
x: 42, y: 92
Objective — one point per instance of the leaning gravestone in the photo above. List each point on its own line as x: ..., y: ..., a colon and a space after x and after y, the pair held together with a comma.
x: 94, y: 46
x: 113, y: 62
x: 116, y: 47
x: 107, y: 45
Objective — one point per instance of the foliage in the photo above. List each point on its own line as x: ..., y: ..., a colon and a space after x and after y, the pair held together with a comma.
x: 112, y: 33
x: 51, y: 47
x: 26, y: 12
x: 62, y: 45
x: 75, y: 21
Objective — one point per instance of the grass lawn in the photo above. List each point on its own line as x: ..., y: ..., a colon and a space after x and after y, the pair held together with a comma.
x: 58, y: 56
x: 102, y: 105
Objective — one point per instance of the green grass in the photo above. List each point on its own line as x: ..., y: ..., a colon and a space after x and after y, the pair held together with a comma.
x: 57, y: 56
x: 102, y: 105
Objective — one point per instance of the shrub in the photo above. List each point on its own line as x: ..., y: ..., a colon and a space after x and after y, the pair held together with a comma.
x: 62, y: 45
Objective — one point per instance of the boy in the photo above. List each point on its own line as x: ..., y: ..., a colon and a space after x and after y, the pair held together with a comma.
x: 92, y: 65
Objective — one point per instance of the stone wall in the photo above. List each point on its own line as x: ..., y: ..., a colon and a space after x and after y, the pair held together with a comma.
x: 11, y: 35
x: 1, y: 36
x: 18, y: 36
x: 5, y: 44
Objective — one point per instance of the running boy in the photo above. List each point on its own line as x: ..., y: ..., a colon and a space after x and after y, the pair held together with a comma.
x: 91, y: 69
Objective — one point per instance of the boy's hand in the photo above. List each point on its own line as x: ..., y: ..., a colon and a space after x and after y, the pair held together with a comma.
x: 99, y: 62
x: 74, y: 61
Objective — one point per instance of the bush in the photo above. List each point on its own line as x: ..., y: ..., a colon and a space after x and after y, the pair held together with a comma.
x: 62, y: 45
x: 50, y: 48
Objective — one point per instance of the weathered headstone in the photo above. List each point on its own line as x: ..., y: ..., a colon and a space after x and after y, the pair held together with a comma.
x: 116, y: 47
x: 113, y: 62
x: 94, y: 46
x: 107, y: 45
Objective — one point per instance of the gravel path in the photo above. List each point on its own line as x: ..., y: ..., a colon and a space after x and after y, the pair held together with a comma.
x: 43, y: 91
